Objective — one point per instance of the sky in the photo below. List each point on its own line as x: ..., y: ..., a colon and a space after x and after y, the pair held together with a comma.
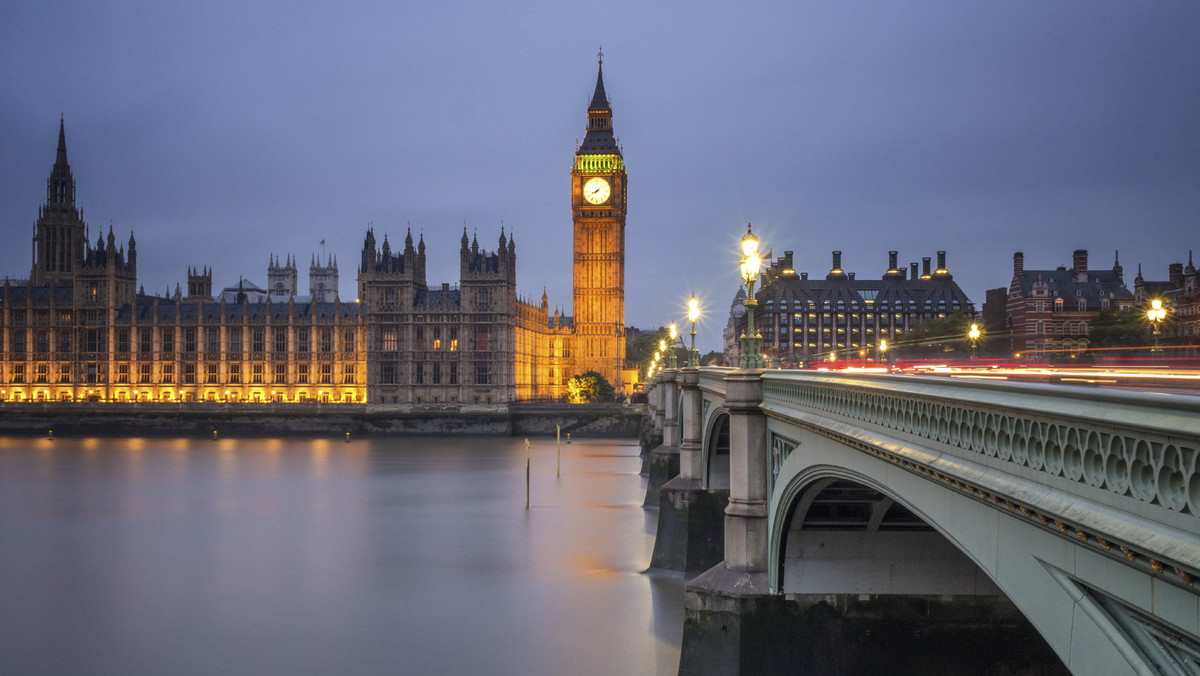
x: 224, y: 132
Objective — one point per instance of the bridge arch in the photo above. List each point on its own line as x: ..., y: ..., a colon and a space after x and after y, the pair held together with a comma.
x: 860, y: 510
x: 715, y: 456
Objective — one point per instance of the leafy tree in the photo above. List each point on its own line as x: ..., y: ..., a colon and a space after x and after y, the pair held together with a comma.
x: 589, y: 387
x: 1123, y: 328
x: 641, y: 349
x: 935, y: 338
x: 713, y: 358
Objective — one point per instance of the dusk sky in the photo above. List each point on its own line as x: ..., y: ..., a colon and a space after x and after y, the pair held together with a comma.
x: 224, y: 132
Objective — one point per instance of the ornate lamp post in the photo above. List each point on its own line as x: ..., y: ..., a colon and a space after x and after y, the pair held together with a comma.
x: 1156, y: 314
x: 883, y: 348
x: 671, y: 358
x: 973, y: 334
x: 693, y: 314
x: 751, y: 341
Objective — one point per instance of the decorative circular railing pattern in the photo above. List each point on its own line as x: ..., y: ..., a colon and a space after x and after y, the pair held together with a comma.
x: 1140, y: 464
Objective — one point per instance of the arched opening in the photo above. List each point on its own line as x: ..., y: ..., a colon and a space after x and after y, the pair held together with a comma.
x: 716, y: 472
x: 843, y: 537
x: 878, y: 590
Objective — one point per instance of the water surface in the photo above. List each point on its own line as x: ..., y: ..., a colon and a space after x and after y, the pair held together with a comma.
x: 298, y: 556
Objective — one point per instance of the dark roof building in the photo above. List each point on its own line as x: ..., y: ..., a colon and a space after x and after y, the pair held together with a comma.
x: 803, y: 319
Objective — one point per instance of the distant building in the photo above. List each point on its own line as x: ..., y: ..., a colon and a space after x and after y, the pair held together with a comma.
x: 1049, y: 312
x: 804, y: 319
x: 1180, y: 293
x: 79, y: 328
x: 995, y: 304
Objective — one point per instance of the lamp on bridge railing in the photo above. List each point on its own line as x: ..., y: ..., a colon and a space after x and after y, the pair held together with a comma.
x: 751, y: 340
x: 693, y: 314
x: 883, y: 348
x: 973, y: 334
x: 1156, y: 314
x: 673, y: 332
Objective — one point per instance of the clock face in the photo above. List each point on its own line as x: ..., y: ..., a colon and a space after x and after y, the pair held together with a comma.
x: 596, y: 190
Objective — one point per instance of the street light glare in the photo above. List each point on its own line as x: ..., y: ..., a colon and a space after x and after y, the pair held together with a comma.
x: 749, y: 244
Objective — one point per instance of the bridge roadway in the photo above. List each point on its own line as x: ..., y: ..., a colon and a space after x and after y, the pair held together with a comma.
x: 869, y: 495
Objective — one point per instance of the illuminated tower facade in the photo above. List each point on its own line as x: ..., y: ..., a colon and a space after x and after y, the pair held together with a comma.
x: 598, y: 183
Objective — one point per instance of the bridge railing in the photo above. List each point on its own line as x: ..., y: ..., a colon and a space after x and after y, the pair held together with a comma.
x: 712, y: 380
x: 1133, y: 458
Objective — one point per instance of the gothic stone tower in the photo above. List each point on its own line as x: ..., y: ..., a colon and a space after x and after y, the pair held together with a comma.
x: 60, y: 238
x: 323, y: 280
x: 598, y: 183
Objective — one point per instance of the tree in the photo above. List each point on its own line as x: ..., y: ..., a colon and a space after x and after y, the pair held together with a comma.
x: 588, y: 388
x: 713, y: 358
x: 935, y: 337
x: 1123, y: 328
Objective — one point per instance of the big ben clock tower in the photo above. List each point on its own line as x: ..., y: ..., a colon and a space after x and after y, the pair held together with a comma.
x: 598, y: 209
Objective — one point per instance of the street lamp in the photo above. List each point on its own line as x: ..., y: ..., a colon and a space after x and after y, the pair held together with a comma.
x: 973, y: 334
x: 883, y: 347
x: 1156, y: 314
x: 673, y: 331
x: 751, y: 341
x: 693, y: 314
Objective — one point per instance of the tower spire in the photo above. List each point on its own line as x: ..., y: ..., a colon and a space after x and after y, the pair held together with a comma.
x: 599, y: 98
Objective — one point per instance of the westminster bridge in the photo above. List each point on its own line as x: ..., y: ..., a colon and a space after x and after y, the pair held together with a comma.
x: 873, y: 523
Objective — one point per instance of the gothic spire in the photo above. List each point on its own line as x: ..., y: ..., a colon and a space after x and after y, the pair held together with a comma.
x: 599, y: 98
x: 599, y: 139
x: 60, y: 188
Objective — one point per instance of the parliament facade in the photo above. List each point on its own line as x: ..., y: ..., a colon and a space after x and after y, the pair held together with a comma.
x: 81, y: 328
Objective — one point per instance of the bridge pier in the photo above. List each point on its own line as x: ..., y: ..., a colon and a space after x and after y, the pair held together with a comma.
x: 690, y: 534
x: 730, y: 616
x: 652, y: 432
x: 664, y: 460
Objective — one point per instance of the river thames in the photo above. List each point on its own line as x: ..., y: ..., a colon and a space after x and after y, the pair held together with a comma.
x: 315, y: 556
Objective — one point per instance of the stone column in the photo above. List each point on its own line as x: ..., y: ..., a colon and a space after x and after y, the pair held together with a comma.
x: 746, y: 516
x: 670, y: 409
x: 660, y: 391
x: 690, y: 410
x: 664, y: 460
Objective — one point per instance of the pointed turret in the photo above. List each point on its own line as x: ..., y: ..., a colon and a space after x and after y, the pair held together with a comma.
x: 599, y: 138
x: 60, y: 235
x: 60, y: 189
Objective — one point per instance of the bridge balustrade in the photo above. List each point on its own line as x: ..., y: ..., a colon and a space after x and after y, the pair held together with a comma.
x: 1134, y: 455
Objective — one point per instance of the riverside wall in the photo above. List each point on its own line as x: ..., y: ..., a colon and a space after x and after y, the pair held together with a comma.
x: 243, y: 419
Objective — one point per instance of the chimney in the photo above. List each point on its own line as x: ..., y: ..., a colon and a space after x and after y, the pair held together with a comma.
x: 925, y: 267
x: 913, y: 266
x: 803, y: 275
x: 836, y: 271
x: 1176, y: 275
x: 941, y: 260
x: 892, y: 260
x: 852, y: 276
x: 1079, y: 261
x: 1018, y: 264
x: 787, y: 260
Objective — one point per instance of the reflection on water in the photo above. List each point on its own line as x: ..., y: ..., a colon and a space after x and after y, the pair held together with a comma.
x: 236, y: 556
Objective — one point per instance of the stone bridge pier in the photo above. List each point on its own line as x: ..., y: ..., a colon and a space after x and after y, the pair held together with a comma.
x: 690, y: 535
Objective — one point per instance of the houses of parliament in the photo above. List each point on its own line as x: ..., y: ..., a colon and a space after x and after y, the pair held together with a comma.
x: 81, y: 328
